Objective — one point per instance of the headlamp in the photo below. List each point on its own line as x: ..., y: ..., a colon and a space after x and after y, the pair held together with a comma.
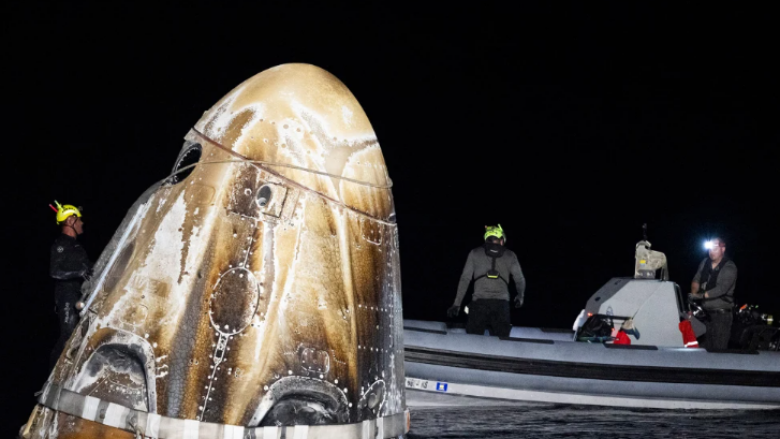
x: 708, y: 245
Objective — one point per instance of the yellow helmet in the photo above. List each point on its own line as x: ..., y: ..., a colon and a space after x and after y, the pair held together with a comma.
x: 496, y: 231
x: 63, y: 212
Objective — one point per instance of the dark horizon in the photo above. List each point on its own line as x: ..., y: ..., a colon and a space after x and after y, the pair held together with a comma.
x: 570, y: 126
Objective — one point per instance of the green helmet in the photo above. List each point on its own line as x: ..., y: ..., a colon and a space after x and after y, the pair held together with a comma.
x: 65, y: 211
x: 496, y: 231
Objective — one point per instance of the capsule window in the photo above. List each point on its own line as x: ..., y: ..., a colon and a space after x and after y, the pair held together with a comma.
x: 189, y: 155
x: 264, y: 196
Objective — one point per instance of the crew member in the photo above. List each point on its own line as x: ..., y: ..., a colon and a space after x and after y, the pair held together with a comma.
x: 69, y: 267
x: 713, y: 285
x: 490, y: 266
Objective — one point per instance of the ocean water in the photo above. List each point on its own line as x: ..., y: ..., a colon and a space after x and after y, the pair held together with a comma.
x: 575, y: 421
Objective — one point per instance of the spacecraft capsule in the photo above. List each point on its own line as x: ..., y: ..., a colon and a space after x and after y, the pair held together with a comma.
x: 255, y: 289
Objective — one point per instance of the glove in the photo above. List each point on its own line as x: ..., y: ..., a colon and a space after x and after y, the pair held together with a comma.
x: 518, y: 301
x: 453, y: 311
x: 88, y: 273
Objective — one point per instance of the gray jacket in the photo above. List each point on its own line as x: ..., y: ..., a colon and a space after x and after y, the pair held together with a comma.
x: 722, y: 296
x: 477, y: 266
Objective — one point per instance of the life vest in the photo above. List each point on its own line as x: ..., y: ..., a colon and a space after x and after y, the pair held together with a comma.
x: 493, y: 252
x: 709, y: 276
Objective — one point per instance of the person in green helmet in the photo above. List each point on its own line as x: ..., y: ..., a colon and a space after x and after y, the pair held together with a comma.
x: 69, y: 267
x: 490, y: 266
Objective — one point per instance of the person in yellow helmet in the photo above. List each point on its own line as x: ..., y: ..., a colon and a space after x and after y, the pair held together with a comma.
x: 69, y: 267
x: 490, y: 266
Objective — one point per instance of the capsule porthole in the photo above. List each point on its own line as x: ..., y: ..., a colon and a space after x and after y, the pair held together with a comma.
x: 264, y: 196
x: 189, y: 156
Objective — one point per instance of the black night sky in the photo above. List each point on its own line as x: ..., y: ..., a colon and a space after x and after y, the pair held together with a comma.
x: 570, y: 125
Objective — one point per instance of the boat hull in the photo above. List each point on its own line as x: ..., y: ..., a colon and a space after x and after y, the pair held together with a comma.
x: 445, y: 362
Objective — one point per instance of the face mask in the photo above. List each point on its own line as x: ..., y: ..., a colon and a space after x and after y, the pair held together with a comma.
x: 494, y: 250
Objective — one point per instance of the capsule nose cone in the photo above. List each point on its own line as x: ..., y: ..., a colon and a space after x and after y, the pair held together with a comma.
x: 301, y: 122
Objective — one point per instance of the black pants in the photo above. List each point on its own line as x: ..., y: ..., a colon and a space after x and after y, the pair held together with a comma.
x: 718, y: 330
x: 68, y: 317
x: 489, y: 313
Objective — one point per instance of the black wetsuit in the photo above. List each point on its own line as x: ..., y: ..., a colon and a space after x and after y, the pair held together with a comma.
x: 69, y: 267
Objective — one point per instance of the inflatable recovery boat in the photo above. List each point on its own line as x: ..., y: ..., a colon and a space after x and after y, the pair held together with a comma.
x: 655, y: 370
